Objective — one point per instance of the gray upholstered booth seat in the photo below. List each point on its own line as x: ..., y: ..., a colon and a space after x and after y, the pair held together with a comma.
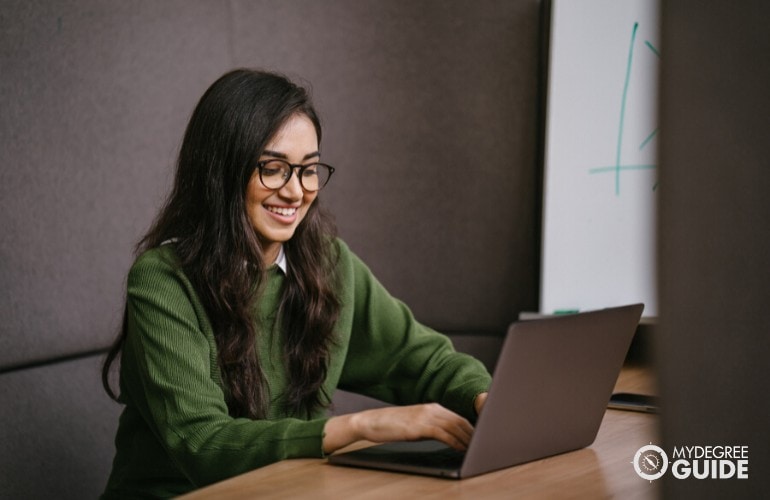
x: 56, y: 431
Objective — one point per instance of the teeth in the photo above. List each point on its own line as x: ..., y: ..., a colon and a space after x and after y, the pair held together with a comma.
x: 286, y: 212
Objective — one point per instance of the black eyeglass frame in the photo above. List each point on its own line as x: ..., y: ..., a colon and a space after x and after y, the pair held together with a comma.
x: 292, y: 166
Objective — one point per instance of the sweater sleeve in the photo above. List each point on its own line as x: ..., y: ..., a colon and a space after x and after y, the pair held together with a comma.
x: 169, y: 376
x: 394, y: 358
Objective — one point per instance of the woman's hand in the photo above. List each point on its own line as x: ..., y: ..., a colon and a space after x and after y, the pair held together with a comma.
x: 399, y: 423
x: 478, y: 403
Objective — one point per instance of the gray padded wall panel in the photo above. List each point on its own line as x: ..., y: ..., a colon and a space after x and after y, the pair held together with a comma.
x: 714, y: 238
x: 94, y: 98
x: 56, y: 432
x: 430, y: 113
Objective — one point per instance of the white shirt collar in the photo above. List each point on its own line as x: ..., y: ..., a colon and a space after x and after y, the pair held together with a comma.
x: 280, y: 261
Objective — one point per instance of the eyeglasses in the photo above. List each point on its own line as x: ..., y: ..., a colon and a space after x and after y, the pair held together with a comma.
x: 275, y: 174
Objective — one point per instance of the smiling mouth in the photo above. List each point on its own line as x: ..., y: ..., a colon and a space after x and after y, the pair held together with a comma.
x: 285, y: 212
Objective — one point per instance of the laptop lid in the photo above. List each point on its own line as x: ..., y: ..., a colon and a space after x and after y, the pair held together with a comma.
x: 552, y: 382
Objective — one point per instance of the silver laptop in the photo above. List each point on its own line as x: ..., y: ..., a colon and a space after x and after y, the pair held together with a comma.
x: 550, y: 389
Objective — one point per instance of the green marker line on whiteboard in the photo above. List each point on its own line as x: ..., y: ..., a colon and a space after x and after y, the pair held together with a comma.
x: 623, y: 109
x: 560, y: 312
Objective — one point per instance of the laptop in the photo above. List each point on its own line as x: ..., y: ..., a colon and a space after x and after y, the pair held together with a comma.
x: 550, y: 389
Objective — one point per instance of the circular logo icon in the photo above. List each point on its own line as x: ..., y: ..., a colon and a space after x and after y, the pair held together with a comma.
x: 650, y: 462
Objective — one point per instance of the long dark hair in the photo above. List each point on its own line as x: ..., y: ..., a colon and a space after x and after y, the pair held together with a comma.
x: 219, y: 251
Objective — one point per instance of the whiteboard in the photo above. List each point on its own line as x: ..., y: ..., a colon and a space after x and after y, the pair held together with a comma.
x: 600, y: 161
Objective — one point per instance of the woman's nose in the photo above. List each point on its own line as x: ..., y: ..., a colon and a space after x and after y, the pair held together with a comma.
x: 293, y: 188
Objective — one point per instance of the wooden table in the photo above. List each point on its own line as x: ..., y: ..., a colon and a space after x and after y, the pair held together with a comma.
x: 603, y: 470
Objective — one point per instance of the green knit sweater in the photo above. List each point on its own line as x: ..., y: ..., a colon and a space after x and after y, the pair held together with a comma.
x: 175, y: 433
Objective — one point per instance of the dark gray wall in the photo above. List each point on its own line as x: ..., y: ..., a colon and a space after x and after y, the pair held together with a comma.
x: 714, y: 237
x: 94, y: 97
x: 414, y: 98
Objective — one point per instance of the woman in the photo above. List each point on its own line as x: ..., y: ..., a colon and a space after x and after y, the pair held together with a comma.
x: 244, y: 313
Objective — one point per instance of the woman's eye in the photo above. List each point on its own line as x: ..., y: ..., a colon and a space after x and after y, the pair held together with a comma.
x: 273, y: 168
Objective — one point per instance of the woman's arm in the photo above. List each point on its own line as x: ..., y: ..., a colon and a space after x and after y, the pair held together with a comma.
x: 394, y: 358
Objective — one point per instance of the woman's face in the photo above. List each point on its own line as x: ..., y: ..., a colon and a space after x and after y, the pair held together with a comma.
x: 276, y: 213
